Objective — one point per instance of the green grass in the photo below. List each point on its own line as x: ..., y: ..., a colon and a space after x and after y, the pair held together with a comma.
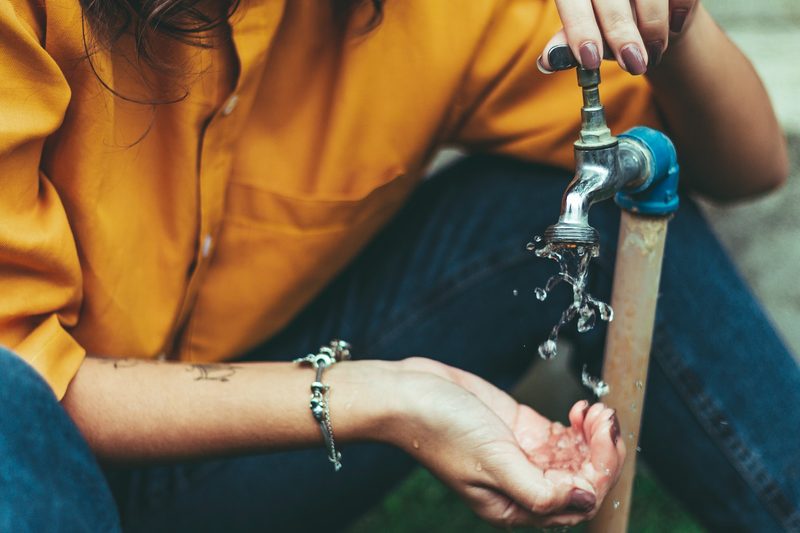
x: 423, y: 504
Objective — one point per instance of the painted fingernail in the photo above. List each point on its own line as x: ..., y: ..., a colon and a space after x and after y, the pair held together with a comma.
x: 560, y: 57
x: 678, y: 19
x: 633, y: 60
x: 614, y: 431
x: 541, y: 67
x: 581, y: 501
x: 654, y: 51
x: 590, y: 55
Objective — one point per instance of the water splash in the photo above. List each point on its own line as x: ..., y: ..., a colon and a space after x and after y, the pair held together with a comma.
x: 598, y: 386
x: 573, y: 264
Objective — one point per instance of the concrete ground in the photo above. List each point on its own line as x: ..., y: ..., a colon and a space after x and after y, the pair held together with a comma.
x: 762, y: 235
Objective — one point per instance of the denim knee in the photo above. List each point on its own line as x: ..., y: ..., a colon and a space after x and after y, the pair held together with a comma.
x: 49, y: 478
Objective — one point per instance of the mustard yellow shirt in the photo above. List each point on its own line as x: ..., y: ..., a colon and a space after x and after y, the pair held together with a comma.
x: 197, y: 229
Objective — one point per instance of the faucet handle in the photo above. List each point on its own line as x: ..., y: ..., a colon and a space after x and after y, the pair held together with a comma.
x: 588, y: 77
x: 594, y: 129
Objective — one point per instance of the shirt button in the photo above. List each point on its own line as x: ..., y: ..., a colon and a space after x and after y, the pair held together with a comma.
x: 230, y: 105
x: 205, y: 248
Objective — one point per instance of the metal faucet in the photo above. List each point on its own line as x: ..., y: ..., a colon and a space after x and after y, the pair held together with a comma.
x: 604, y: 166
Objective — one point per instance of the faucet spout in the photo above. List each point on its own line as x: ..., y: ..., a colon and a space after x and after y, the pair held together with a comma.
x: 593, y: 182
x: 600, y: 174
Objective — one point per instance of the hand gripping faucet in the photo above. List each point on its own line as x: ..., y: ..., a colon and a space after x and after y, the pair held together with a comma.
x: 639, y: 168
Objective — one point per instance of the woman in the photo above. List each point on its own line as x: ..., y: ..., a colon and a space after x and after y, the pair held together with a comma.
x: 182, y: 189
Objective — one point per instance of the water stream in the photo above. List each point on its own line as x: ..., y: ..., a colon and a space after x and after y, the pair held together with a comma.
x: 573, y: 264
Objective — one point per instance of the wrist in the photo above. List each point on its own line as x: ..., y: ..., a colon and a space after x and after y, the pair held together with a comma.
x: 364, y: 397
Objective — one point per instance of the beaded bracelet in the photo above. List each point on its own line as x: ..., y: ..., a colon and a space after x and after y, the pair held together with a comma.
x: 336, y: 351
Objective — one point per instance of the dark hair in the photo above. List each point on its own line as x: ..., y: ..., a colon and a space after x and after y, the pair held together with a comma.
x: 185, y: 21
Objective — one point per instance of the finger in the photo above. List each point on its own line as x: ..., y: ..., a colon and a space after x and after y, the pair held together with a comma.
x: 599, y: 420
x: 562, y: 56
x: 508, y: 514
x: 591, y: 417
x: 621, y: 33
x: 577, y: 414
x: 679, y: 12
x: 562, y: 520
x: 652, y: 18
x: 557, y: 55
x: 607, y: 452
x: 582, y: 33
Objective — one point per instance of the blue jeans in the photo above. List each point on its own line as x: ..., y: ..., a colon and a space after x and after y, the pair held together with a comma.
x: 721, y: 413
x: 49, y: 479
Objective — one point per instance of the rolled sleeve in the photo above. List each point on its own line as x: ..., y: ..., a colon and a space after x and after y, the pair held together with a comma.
x: 40, y: 273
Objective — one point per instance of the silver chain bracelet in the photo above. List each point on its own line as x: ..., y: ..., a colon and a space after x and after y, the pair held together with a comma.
x: 336, y: 351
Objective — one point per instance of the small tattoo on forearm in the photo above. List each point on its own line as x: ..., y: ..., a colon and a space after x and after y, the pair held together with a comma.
x: 213, y: 372
x: 119, y: 363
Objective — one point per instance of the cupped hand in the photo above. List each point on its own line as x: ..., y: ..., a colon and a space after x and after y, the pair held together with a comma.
x: 634, y: 32
x: 513, y: 466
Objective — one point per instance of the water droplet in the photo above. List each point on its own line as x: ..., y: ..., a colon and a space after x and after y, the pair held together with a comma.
x: 723, y: 422
x: 586, y: 319
x: 633, y: 407
x: 515, y: 292
x: 606, y: 313
x: 638, y: 449
x: 478, y: 467
x: 548, y: 349
x: 630, y: 436
x: 616, y: 504
x: 541, y: 294
x: 562, y: 443
x: 598, y: 386
x: 530, y: 246
x: 415, y: 443
x: 639, y: 384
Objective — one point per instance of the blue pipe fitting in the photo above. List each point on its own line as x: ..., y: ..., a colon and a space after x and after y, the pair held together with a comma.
x: 658, y: 196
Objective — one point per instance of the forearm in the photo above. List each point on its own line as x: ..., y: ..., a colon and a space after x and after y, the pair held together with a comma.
x: 719, y: 115
x: 139, y: 410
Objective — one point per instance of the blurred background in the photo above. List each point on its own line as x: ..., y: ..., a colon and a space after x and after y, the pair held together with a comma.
x: 754, y: 232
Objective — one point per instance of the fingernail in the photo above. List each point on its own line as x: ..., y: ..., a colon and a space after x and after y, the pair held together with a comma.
x: 614, y: 431
x: 633, y: 60
x: 586, y: 409
x: 590, y: 55
x: 581, y: 501
x: 560, y: 57
x: 654, y: 51
x: 541, y: 67
x: 678, y: 19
